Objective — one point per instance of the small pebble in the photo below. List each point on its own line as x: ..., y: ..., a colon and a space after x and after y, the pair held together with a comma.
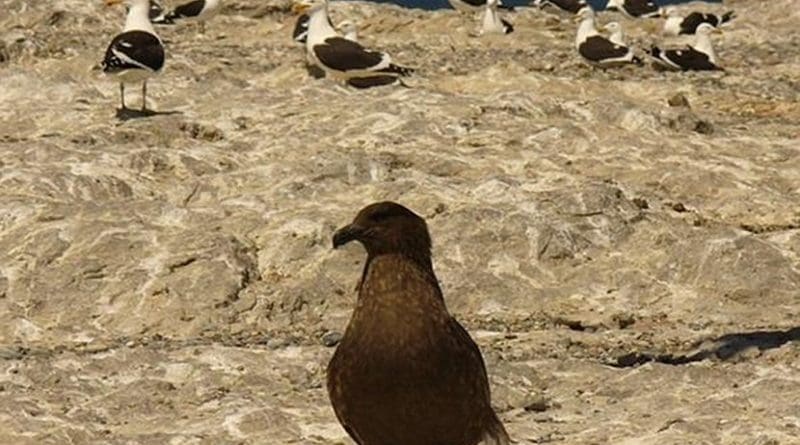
x: 537, y: 405
x: 678, y: 100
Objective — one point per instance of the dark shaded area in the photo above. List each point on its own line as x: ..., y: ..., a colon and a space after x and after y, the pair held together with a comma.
x: 443, y: 4
x: 315, y: 71
x: 126, y: 114
x: 726, y: 347
x: 371, y: 82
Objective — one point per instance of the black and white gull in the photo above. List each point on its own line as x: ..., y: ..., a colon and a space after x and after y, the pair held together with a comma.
x: 677, y: 24
x: 697, y: 57
x: 199, y: 11
x: 598, y: 50
x: 340, y: 58
x: 137, y: 53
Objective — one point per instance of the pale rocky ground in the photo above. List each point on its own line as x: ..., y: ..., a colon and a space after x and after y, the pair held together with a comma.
x: 629, y: 268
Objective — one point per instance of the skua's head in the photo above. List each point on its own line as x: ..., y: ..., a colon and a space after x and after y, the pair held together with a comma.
x: 387, y: 228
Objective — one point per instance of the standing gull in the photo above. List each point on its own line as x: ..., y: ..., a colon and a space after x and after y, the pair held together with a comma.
x: 598, y: 50
x: 677, y: 24
x: 406, y: 372
x: 195, y: 10
x: 697, y: 57
x: 340, y: 58
x: 635, y: 8
x: 492, y: 23
x: 137, y: 53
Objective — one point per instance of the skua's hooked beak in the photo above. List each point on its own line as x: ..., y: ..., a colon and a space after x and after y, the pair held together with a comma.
x: 346, y: 234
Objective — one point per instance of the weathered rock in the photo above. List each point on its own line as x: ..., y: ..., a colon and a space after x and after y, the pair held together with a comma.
x: 171, y: 280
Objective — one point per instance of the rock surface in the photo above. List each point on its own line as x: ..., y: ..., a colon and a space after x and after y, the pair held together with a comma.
x: 624, y: 245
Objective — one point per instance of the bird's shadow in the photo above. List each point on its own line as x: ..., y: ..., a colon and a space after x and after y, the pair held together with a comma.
x: 363, y: 83
x: 126, y: 114
x: 725, y: 347
x: 730, y: 345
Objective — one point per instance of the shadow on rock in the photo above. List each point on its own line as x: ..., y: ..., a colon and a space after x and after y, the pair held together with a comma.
x: 372, y: 82
x: 726, y: 347
x: 126, y: 114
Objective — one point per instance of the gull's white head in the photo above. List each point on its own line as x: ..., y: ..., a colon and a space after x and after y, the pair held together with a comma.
x: 615, y: 33
x: 707, y: 29
x: 346, y: 26
x: 349, y: 30
x: 493, y: 3
x: 584, y: 13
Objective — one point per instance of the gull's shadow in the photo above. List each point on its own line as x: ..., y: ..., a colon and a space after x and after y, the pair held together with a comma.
x: 363, y: 83
x: 725, y: 347
x: 732, y: 344
x: 126, y: 114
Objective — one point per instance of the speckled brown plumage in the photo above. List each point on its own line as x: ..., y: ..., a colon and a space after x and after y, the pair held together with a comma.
x: 406, y: 372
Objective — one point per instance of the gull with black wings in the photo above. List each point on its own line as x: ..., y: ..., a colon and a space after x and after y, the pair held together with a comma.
x: 136, y: 54
x: 339, y: 57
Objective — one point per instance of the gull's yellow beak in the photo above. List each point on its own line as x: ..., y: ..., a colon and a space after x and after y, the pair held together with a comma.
x: 300, y: 8
x: 716, y: 31
x: 112, y: 2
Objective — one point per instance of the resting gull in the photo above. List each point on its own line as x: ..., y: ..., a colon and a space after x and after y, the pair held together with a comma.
x: 677, y: 24
x: 195, y: 10
x: 339, y: 57
x: 598, y: 50
x: 571, y: 6
x: 697, y: 57
x: 635, y: 8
